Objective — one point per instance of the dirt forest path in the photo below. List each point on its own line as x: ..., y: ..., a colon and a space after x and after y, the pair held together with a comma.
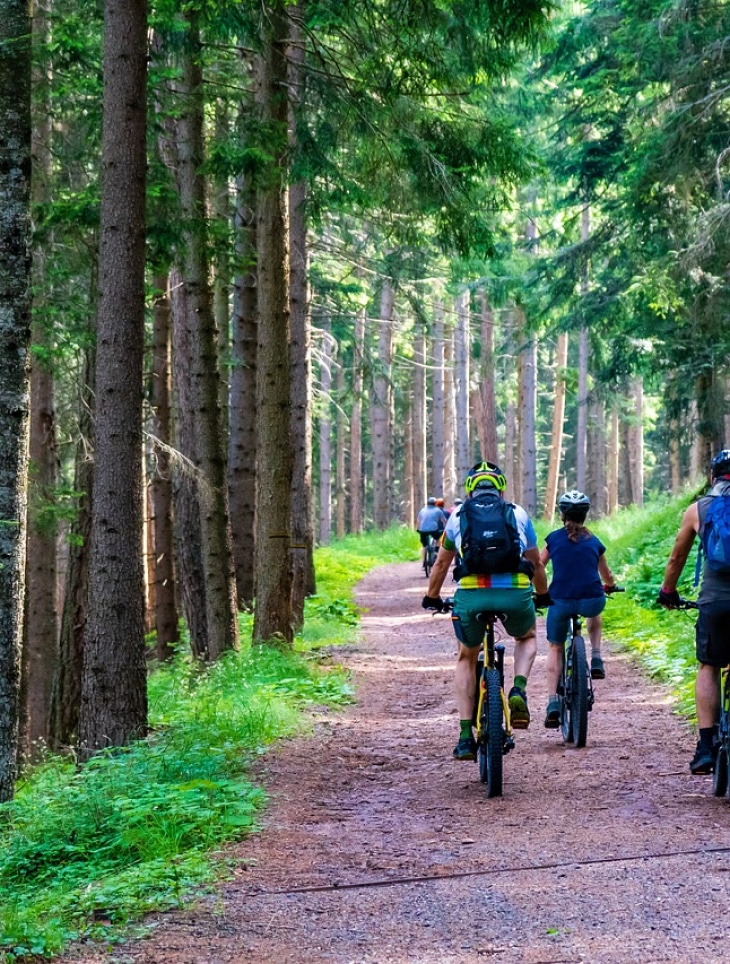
x: 378, y: 848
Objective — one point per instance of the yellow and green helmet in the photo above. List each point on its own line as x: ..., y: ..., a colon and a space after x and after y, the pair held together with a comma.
x: 486, y: 475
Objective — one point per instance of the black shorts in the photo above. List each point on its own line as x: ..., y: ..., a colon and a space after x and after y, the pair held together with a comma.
x: 425, y: 536
x: 713, y: 633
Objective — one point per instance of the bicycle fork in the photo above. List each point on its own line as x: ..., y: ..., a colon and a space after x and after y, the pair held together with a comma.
x: 482, y: 693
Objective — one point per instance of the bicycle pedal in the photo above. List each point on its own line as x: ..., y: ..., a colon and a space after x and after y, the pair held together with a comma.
x: 509, y: 744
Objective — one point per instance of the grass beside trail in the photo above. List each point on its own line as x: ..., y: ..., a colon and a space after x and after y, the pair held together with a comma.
x: 85, y: 851
x: 638, y: 543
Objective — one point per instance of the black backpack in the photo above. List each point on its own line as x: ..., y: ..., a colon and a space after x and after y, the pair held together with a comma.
x: 490, y: 539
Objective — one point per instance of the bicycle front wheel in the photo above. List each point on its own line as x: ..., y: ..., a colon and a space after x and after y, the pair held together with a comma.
x: 579, y: 693
x: 491, y: 743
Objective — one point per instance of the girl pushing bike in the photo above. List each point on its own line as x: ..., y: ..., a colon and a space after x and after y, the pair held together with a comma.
x: 581, y: 580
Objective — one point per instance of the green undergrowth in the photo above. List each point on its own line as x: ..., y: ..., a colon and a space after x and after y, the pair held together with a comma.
x: 638, y: 543
x: 85, y: 851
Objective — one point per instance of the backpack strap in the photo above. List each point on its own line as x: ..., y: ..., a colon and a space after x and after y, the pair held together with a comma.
x: 698, y: 565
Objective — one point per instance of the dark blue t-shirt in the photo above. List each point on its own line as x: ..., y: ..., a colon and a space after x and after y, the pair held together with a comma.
x: 575, y: 566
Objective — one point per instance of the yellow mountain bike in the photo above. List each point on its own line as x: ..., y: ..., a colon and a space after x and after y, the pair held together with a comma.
x: 491, y: 714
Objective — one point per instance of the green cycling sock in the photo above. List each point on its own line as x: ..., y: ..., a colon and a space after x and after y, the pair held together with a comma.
x: 521, y: 682
x: 465, y: 729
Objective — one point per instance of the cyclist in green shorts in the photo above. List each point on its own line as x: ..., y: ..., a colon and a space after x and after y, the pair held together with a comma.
x: 508, y: 593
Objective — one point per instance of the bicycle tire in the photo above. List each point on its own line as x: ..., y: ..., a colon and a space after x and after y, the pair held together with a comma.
x: 566, y: 682
x: 579, y: 693
x: 491, y: 744
x: 720, y: 773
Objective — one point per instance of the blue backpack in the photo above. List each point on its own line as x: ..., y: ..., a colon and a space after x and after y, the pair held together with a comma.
x: 715, y: 539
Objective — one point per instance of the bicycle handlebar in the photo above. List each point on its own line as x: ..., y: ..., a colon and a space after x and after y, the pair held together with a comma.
x: 687, y: 604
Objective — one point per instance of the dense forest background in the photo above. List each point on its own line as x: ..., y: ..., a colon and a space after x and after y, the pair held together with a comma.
x: 296, y: 266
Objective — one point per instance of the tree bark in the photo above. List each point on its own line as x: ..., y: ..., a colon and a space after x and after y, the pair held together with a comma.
x: 325, y: 434
x: 208, y: 453
x: 40, y: 648
x: 528, y: 434
x: 613, y: 461
x: 302, y: 521
x: 273, y: 617
x: 419, y: 445
x: 114, y: 679
x: 438, y: 406
x: 636, y: 436
x: 165, y: 612
x: 381, y: 425
x: 556, y: 443
x: 186, y: 479
x: 66, y: 694
x: 356, y: 512
x: 463, y: 460
x: 15, y: 303
x: 447, y: 486
x: 488, y: 436
x: 242, y: 442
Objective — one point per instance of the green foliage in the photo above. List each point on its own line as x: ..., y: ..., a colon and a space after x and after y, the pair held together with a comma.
x: 638, y: 543
x: 82, y: 851
x: 331, y: 616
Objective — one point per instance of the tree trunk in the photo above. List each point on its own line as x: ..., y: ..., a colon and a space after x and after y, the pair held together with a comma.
x: 273, y: 617
x: 463, y: 460
x: 447, y: 486
x: 613, y: 461
x: 66, y: 695
x: 488, y: 434
x: 208, y: 452
x: 242, y: 442
x: 302, y: 520
x: 114, y: 677
x: 166, y: 616
x: 419, y: 445
x: 581, y: 433
x: 187, y: 479
x: 40, y: 648
x: 438, y: 407
x: 325, y: 434
x: 381, y: 426
x: 15, y: 302
x: 528, y: 434
x: 340, y: 481
x: 356, y: 513
x: 556, y: 443
x: 221, y: 212
x: 596, y: 474
x: 636, y: 436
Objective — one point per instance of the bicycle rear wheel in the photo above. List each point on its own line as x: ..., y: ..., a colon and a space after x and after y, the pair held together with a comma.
x: 491, y: 743
x: 579, y: 693
x: 720, y: 775
x: 566, y: 687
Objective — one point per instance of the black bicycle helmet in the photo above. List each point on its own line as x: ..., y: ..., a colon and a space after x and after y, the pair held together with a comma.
x: 485, y: 475
x: 720, y: 465
x: 574, y: 505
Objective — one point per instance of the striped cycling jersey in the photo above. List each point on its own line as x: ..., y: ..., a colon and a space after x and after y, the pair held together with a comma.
x: 451, y: 540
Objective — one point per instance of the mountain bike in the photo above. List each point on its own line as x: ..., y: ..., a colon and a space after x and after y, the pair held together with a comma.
x: 491, y: 713
x: 720, y: 775
x: 720, y: 781
x: 429, y: 555
x: 575, y: 689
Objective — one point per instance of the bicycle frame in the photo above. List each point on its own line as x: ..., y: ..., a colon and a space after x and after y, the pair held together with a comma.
x: 492, y: 658
x: 575, y: 628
